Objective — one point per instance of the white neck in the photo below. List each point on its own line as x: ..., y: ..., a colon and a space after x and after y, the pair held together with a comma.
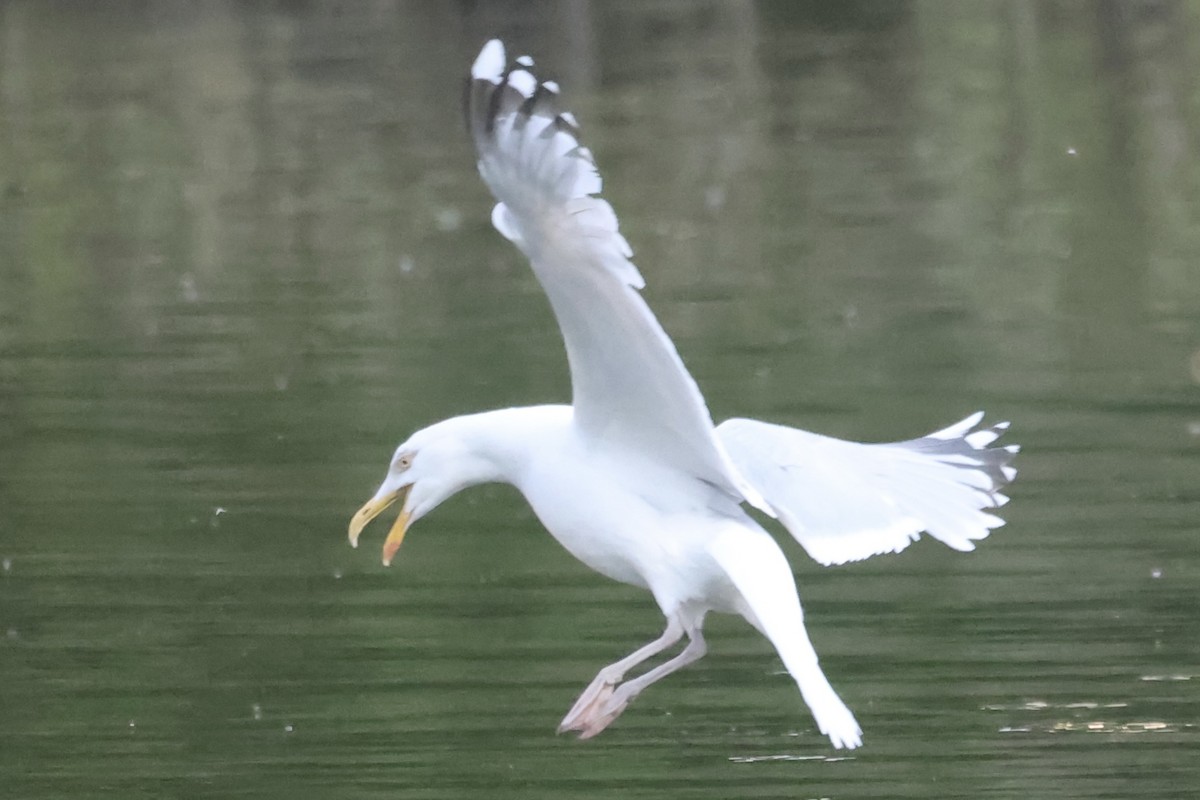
x: 501, y: 443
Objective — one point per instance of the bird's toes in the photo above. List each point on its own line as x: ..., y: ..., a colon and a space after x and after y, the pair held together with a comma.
x: 593, y: 729
x: 587, y: 709
x: 603, y: 718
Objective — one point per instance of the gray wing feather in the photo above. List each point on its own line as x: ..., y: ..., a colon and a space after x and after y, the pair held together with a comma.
x: 845, y: 501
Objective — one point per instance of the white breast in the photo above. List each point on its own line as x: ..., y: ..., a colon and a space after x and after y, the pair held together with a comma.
x: 635, y: 524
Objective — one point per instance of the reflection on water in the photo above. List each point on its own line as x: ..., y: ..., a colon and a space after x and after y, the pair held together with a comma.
x: 243, y: 252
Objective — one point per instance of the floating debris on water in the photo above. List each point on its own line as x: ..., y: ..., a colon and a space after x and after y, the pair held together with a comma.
x: 1102, y: 726
x: 1041, y: 705
x: 784, y: 757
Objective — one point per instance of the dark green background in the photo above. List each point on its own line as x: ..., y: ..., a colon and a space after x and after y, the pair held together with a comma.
x: 244, y: 252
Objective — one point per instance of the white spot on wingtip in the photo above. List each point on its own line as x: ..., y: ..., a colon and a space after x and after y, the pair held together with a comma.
x: 958, y: 429
x: 489, y: 65
x: 980, y: 439
x: 523, y: 82
x: 525, y: 61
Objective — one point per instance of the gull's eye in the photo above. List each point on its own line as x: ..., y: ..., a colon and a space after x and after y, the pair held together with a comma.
x: 404, y: 462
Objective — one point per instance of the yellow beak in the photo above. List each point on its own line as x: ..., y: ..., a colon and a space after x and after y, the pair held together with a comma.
x: 374, y: 507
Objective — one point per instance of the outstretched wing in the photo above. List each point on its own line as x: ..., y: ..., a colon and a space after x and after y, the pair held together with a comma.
x: 845, y: 501
x: 630, y: 387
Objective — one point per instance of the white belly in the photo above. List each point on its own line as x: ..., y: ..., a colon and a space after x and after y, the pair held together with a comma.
x: 654, y: 537
x: 596, y: 532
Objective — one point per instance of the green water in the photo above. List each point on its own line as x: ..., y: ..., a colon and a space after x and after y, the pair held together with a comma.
x: 244, y: 252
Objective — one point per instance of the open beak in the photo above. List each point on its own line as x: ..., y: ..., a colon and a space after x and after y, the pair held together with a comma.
x: 376, y: 506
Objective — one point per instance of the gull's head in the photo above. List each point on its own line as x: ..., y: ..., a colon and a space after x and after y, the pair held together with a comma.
x: 427, y: 469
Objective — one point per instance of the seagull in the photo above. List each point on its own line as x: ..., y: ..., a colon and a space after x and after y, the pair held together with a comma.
x: 632, y: 477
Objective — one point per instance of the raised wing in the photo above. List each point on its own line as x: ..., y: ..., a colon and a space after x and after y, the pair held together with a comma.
x: 845, y: 501
x: 630, y: 387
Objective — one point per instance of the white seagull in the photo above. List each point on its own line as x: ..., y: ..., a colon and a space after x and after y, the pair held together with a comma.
x: 632, y: 478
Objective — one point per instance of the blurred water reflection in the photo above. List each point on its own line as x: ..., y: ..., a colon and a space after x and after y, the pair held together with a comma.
x: 243, y: 252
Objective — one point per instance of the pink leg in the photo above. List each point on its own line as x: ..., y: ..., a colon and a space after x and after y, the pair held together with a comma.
x: 603, y: 701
